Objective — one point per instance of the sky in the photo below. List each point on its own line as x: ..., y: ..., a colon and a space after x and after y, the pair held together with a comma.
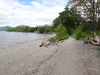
x: 30, y: 12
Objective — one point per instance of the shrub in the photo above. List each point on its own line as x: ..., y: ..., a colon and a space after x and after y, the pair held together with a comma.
x: 61, y: 33
x: 80, y: 34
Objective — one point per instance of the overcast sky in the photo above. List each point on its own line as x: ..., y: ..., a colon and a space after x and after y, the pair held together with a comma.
x: 29, y: 12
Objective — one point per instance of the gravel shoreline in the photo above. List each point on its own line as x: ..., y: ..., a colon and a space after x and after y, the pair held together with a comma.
x: 65, y: 58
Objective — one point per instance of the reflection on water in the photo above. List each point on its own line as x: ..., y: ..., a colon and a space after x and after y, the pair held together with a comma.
x: 11, y: 38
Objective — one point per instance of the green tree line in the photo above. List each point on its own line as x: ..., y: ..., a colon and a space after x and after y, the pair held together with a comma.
x: 80, y: 18
x: 40, y: 29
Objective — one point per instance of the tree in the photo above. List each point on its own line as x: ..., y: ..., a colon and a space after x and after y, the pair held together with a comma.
x: 89, y: 10
x: 68, y: 19
x: 56, y: 22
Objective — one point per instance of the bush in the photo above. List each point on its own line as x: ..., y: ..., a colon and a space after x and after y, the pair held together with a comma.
x: 61, y: 33
x: 80, y: 34
x: 41, y: 30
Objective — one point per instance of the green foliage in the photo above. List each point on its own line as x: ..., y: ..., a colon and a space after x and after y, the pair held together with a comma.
x: 44, y: 29
x: 56, y: 22
x: 61, y: 33
x: 75, y: 24
x: 97, y: 32
x: 85, y: 24
x: 98, y: 25
x: 65, y: 24
x: 97, y: 48
x: 31, y: 29
x: 40, y: 29
x: 20, y: 29
x: 69, y: 19
x: 80, y: 34
x: 84, y: 31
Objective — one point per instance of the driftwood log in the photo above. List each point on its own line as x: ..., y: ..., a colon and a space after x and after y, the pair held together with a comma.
x: 95, y: 43
x: 91, y: 41
x: 96, y: 37
x: 45, y: 44
x: 95, y: 40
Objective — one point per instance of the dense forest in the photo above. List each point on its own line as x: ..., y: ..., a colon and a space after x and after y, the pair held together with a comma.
x: 79, y: 19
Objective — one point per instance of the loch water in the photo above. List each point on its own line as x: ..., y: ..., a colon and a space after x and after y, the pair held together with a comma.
x: 11, y: 38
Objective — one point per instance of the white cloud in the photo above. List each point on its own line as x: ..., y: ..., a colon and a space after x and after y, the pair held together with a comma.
x: 38, y: 12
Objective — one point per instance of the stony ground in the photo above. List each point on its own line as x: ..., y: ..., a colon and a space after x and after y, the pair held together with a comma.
x: 65, y: 58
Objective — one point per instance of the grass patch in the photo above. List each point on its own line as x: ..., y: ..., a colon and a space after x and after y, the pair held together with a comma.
x: 97, y: 48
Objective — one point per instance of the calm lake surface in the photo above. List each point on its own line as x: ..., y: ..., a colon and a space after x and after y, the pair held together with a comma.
x: 11, y: 38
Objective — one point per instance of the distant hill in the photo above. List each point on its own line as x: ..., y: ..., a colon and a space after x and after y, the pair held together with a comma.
x: 4, y: 28
x: 21, y: 26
